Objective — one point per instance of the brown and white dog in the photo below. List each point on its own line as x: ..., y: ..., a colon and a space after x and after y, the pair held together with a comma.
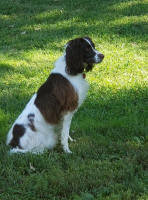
x: 49, y: 112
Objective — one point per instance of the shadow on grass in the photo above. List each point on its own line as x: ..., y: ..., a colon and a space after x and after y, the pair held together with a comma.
x: 5, y: 69
x: 131, y: 30
x: 133, y: 8
x: 33, y: 24
x: 109, y: 155
x: 116, y: 116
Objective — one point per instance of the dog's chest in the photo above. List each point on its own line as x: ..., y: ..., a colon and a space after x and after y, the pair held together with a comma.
x: 81, y: 86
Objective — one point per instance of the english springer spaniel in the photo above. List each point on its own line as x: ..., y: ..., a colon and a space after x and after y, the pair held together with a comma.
x: 48, y: 114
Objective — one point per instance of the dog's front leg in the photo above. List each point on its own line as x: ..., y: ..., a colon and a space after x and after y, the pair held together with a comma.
x: 65, y: 132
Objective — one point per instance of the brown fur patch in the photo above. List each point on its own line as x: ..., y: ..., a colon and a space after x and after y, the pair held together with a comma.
x: 18, y: 131
x: 55, y: 97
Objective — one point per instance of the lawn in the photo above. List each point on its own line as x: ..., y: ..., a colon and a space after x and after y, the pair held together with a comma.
x: 110, y: 155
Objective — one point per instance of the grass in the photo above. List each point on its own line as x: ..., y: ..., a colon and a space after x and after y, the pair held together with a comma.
x: 110, y: 156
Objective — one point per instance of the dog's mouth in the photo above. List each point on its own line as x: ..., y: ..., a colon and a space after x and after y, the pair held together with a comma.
x: 98, y: 58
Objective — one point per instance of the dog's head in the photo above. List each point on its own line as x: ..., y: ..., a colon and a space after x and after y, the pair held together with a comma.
x: 81, y: 55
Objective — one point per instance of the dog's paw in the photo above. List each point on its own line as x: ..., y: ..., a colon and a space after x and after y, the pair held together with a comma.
x: 71, y: 139
x: 67, y: 150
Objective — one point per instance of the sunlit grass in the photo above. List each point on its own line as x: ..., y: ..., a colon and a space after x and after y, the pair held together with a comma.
x: 110, y: 155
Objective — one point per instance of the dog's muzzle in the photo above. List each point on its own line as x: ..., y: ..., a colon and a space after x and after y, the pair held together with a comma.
x: 99, y: 57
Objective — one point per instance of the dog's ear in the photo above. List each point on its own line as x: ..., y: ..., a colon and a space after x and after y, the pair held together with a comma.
x: 74, y: 57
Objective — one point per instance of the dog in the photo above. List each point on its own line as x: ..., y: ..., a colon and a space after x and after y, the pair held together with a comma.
x: 48, y: 114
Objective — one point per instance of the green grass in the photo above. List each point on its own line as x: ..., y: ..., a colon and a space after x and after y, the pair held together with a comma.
x: 110, y: 156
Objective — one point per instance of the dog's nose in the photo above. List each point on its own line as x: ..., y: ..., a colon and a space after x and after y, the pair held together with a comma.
x: 101, y: 55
